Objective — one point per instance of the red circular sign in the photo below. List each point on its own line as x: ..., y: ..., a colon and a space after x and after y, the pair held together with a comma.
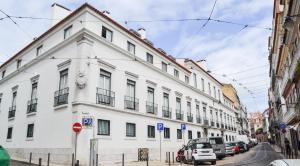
x: 77, y: 127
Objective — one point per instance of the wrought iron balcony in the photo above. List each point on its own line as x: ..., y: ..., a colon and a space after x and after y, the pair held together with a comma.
x: 12, y: 112
x: 179, y: 114
x: 198, y: 119
x: 226, y: 126
x: 205, y: 120
x: 31, y: 106
x: 131, y: 103
x: 105, y: 97
x: 212, y: 123
x: 151, y: 108
x: 166, y: 112
x: 218, y: 124
x: 61, y: 97
x: 190, y: 117
x: 222, y: 126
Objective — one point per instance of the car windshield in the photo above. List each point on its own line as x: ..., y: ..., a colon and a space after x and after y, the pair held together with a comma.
x: 229, y: 144
x: 203, y: 146
x: 215, y: 141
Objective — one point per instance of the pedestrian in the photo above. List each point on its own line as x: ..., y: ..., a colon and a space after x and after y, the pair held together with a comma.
x: 287, y: 147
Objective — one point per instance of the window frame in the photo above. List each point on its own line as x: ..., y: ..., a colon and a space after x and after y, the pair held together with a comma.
x: 151, y: 131
x: 19, y: 63
x: 9, y: 133
x: 98, y: 125
x: 39, y: 50
x: 149, y: 58
x: 134, y: 132
x: 105, y: 30
x: 3, y: 73
x: 30, y: 126
x: 176, y: 73
x: 167, y: 134
x: 68, y: 31
x: 128, y: 47
x: 164, y: 66
x: 179, y: 133
x: 190, y: 134
x: 195, y: 80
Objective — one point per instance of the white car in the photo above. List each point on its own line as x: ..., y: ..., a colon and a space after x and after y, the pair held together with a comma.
x: 285, y: 162
x: 200, y: 152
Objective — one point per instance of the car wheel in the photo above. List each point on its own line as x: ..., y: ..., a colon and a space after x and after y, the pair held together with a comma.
x: 213, y: 162
x: 194, y: 161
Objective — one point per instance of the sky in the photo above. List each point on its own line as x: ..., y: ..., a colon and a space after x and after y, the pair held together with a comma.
x: 234, y: 53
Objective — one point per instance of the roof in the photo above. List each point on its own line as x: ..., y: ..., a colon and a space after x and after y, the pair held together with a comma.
x: 86, y: 5
x: 189, y: 60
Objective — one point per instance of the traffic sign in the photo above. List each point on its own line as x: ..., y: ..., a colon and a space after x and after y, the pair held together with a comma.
x: 282, y: 125
x: 77, y: 127
x: 87, y: 121
x: 160, y: 126
x: 183, y: 126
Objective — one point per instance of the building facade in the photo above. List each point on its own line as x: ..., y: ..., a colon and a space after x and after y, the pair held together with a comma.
x: 87, y: 66
x: 284, y: 73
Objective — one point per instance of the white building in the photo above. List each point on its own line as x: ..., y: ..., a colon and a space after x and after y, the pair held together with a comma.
x: 87, y: 65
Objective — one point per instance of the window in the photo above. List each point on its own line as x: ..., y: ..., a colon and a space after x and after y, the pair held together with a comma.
x: 178, y: 103
x: 187, y: 79
x: 130, y: 130
x: 33, y: 90
x: 204, y: 111
x: 189, y: 107
x: 19, y: 61
x: 39, y: 50
x: 130, y: 47
x: 105, y: 80
x: 176, y: 73
x: 131, y: 88
x: 195, y: 80
x: 179, y: 134
x: 67, y: 32
x: 9, y: 133
x: 198, y: 109
x: 150, y: 95
x: 103, y: 127
x: 164, y: 67
x: 30, y: 129
x: 0, y: 101
x: 215, y: 95
x: 63, y: 80
x: 107, y: 34
x: 212, y: 134
x: 209, y: 90
x: 151, y: 131
x: 3, y: 73
x: 167, y: 133
x: 14, y: 99
x: 190, y: 134
x: 166, y: 100
x: 149, y: 58
x: 202, y: 82
x: 219, y: 95
x: 198, y: 134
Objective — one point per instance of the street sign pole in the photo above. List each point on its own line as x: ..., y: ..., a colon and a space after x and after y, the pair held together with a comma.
x: 76, y: 128
x: 183, y: 137
x: 76, y: 146
x: 160, y: 145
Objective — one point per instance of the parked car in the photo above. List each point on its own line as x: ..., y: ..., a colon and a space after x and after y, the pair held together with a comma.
x: 218, y: 146
x: 196, y: 152
x: 230, y: 149
x: 242, y: 146
x: 4, y: 157
x: 285, y: 162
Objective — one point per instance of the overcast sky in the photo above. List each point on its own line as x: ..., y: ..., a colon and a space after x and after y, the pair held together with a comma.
x: 234, y: 54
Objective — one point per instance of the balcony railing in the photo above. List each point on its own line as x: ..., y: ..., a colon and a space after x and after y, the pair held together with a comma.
x: 225, y: 126
x: 31, y: 106
x: 222, y: 126
x: 131, y: 103
x: 198, y: 119
x: 179, y: 114
x: 166, y: 112
x: 190, y: 117
x: 212, y: 122
x: 218, y: 124
x: 105, y: 97
x: 151, y: 108
x: 12, y: 112
x: 205, y: 120
x: 61, y: 97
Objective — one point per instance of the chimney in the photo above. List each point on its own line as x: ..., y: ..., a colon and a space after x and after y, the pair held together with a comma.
x: 59, y: 12
x: 202, y: 64
x: 107, y: 13
x: 142, y: 32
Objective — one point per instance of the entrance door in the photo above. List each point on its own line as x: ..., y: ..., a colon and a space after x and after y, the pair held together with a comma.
x: 93, y: 152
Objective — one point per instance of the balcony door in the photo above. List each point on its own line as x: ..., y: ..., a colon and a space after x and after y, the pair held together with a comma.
x: 105, y: 80
x: 166, y: 100
x: 63, y: 81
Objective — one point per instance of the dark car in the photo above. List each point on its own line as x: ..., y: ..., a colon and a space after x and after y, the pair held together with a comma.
x: 242, y: 146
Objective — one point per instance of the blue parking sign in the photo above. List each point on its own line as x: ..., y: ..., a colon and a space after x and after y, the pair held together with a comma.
x: 87, y: 121
x: 183, y: 126
x: 160, y: 126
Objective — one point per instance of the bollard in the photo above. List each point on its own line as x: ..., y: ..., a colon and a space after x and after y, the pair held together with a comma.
x: 48, y: 161
x: 147, y: 159
x: 97, y: 159
x: 30, y: 157
x: 72, y: 159
x: 40, y: 161
x: 123, y: 159
x: 77, y: 163
x: 169, y: 158
x: 173, y: 157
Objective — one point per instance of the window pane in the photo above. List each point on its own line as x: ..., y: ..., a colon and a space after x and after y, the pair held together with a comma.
x: 103, y: 127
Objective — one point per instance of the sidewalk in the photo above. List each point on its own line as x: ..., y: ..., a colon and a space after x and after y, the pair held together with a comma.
x: 142, y: 163
x: 277, y: 149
